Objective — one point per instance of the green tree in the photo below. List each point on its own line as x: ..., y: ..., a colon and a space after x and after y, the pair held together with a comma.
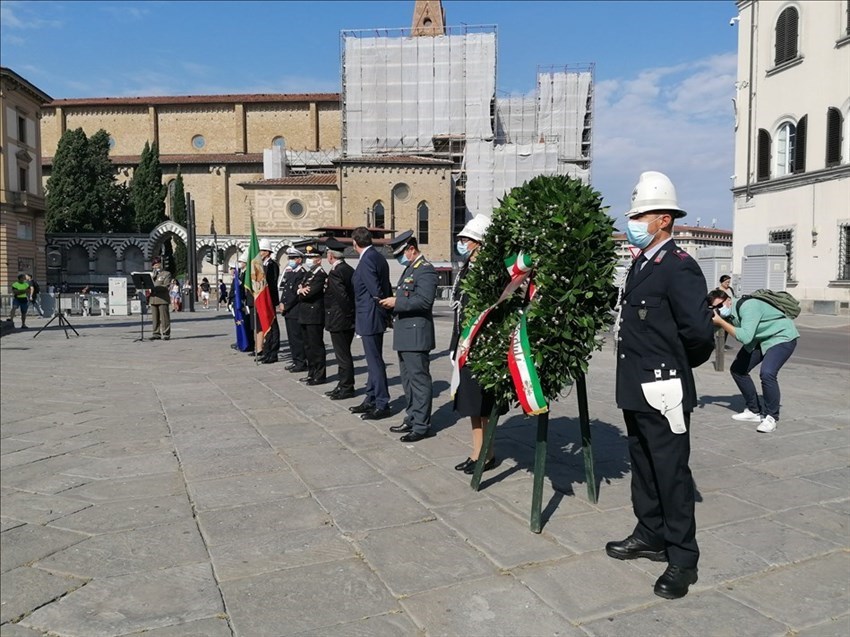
x: 147, y: 191
x: 82, y: 195
x: 178, y: 215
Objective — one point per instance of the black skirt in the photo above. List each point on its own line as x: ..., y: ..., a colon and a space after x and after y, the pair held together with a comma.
x: 470, y: 399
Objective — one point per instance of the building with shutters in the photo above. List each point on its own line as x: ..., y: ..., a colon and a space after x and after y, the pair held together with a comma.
x: 22, y: 206
x: 792, y: 143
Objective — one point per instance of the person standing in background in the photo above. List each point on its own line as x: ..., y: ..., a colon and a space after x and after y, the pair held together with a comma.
x: 339, y: 318
x: 311, y: 316
x: 289, y: 308
x: 159, y: 302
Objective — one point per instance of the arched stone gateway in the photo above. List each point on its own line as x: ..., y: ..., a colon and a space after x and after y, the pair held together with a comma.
x: 162, y: 232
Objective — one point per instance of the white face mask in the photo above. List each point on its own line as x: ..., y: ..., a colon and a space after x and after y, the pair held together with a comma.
x: 637, y: 233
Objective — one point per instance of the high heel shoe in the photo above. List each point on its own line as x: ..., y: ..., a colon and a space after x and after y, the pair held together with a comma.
x: 463, y: 465
x: 470, y: 468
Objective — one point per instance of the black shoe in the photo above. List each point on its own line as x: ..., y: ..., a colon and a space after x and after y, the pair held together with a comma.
x: 632, y: 548
x: 306, y: 379
x: 268, y: 360
x: 316, y: 381
x: 415, y: 437
x: 470, y: 468
x: 155, y: 337
x: 362, y: 408
x: 403, y: 428
x: 332, y: 393
x: 166, y: 338
x: 674, y: 582
x: 377, y: 414
x: 343, y: 395
x: 463, y: 465
x: 234, y: 346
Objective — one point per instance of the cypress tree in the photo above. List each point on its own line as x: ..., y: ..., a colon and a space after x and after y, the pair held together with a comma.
x: 178, y: 215
x: 147, y: 191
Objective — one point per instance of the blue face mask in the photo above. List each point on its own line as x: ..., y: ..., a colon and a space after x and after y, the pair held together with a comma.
x: 462, y: 248
x: 725, y: 311
x: 402, y: 259
x: 291, y: 264
x: 637, y: 232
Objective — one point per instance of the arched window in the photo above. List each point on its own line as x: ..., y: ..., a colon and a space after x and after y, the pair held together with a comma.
x: 171, y: 186
x: 834, y: 128
x: 763, y: 162
x: 786, y: 36
x: 378, y: 216
x: 786, y: 139
x: 422, y: 223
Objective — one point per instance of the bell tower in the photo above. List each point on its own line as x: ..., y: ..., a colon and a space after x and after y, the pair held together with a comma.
x: 429, y: 18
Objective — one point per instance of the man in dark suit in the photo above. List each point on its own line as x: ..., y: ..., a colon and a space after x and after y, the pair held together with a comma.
x: 289, y: 308
x: 311, y: 315
x: 339, y: 317
x: 663, y: 329
x: 271, y: 340
x: 413, y: 334
x: 371, y: 282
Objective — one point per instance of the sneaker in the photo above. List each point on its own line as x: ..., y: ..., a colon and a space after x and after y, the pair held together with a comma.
x: 747, y: 416
x: 768, y: 425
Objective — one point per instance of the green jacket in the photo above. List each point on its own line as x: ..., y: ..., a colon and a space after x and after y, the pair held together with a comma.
x: 762, y: 325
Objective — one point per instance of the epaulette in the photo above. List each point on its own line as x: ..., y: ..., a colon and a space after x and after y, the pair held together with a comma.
x: 682, y: 254
x: 420, y: 262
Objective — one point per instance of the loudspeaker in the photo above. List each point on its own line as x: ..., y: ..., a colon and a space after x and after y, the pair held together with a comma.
x: 54, y: 257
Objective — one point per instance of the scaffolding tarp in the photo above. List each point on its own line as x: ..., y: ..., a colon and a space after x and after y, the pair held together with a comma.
x: 401, y: 91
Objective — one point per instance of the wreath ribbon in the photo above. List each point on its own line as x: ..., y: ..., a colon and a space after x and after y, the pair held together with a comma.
x: 519, y: 355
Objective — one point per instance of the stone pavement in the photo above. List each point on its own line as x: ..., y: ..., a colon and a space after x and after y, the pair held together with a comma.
x: 177, y: 489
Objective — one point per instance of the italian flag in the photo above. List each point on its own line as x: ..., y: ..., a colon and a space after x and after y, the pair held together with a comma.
x: 255, y: 282
x: 523, y: 372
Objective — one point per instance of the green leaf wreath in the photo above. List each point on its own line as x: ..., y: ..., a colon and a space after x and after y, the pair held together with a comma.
x: 561, y: 223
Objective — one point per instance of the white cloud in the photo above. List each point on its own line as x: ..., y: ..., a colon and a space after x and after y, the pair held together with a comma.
x: 22, y: 15
x: 125, y: 12
x: 675, y: 119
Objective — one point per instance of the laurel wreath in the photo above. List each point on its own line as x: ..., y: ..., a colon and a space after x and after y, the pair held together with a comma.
x: 563, y: 225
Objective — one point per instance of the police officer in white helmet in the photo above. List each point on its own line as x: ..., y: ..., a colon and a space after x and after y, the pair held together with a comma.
x: 663, y: 329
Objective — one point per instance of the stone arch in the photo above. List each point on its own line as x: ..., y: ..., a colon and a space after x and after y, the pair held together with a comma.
x: 106, y: 261
x: 161, y: 232
x: 131, y: 243
x: 133, y: 257
x: 78, y: 258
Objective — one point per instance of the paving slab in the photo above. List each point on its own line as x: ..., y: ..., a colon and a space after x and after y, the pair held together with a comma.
x: 30, y: 542
x: 128, y: 488
x: 213, y: 627
x: 776, y: 543
x: 107, y: 517
x: 820, y: 521
x: 130, y: 551
x: 126, y: 466
x: 388, y: 625
x: 16, y: 630
x: 371, y: 506
x: 306, y: 598
x: 330, y: 466
x: 830, y: 628
x: 480, y: 607
x: 254, y: 520
x: 399, y: 555
x: 278, y: 551
x: 24, y: 589
x: 37, y: 508
x: 139, y: 601
x: 802, y: 594
x: 244, y: 489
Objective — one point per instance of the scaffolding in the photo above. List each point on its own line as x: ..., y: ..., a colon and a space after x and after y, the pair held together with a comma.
x: 436, y: 96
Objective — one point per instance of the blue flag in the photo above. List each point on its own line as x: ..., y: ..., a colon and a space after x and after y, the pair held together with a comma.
x: 239, y: 316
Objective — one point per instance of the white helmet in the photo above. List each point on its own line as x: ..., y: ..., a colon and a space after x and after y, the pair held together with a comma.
x: 654, y: 191
x: 266, y: 245
x: 476, y: 228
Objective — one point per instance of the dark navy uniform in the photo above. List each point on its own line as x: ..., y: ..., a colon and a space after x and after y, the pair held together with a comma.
x: 413, y: 339
x: 292, y: 278
x: 311, y: 316
x: 339, y: 321
x: 271, y: 342
x: 664, y: 325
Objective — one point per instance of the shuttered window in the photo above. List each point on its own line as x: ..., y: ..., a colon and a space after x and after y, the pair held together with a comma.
x: 799, y: 165
x: 834, y: 128
x: 786, y: 139
x: 378, y: 216
x: 763, y: 163
x: 785, y: 237
x: 786, y: 36
x: 424, y: 223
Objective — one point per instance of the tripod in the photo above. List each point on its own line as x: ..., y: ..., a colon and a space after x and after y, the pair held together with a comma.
x: 63, y: 322
x: 141, y: 338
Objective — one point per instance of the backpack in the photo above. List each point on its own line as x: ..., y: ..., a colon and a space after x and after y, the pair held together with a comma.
x: 782, y: 301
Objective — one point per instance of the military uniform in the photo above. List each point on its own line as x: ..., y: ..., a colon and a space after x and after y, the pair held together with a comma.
x: 311, y: 316
x: 413, y: 339
x: 292, y: 278
x: 339, y: 319
x: 160, y: 308
x: 271, y: 341
x: 663, y: 329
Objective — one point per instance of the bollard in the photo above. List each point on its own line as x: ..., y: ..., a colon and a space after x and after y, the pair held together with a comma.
x: 719, y: 347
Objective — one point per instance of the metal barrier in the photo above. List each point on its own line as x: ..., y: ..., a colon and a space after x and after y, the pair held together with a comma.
x: 71, y: 303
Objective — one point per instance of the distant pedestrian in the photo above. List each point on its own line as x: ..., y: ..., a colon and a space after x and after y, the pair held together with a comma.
x: 726, y: 287
x: 769, y: 338
x: 160, y: 317
x: 222, y: 294
x: 204, y: 292
x: 174, y: 295
x: 20, y: 299
x: 85, y: 301
x: 35, y: 295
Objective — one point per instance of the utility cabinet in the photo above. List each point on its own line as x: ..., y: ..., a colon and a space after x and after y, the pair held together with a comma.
x: 765, y: 265
x: 117, y: 296
x: 714, y: 261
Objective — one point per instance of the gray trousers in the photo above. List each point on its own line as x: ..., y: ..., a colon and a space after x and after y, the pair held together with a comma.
x: 415, y: 371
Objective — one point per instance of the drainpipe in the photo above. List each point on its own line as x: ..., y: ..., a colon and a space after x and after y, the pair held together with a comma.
x: 750, y: 99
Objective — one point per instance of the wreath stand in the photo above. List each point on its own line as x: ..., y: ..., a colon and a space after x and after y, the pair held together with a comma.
x: 540, y: 450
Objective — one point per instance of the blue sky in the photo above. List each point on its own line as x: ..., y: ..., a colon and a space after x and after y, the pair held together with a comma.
x: 665, y: 71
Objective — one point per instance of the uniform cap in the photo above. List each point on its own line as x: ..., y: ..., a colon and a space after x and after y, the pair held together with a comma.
x: 311, y: 250
x: 398, y: 244
x: 333, y: 244
x: 156, y: 260
x: 655, y: 192
x: 476, y: 228
x: 293, y: 252
x: 266, y: 245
